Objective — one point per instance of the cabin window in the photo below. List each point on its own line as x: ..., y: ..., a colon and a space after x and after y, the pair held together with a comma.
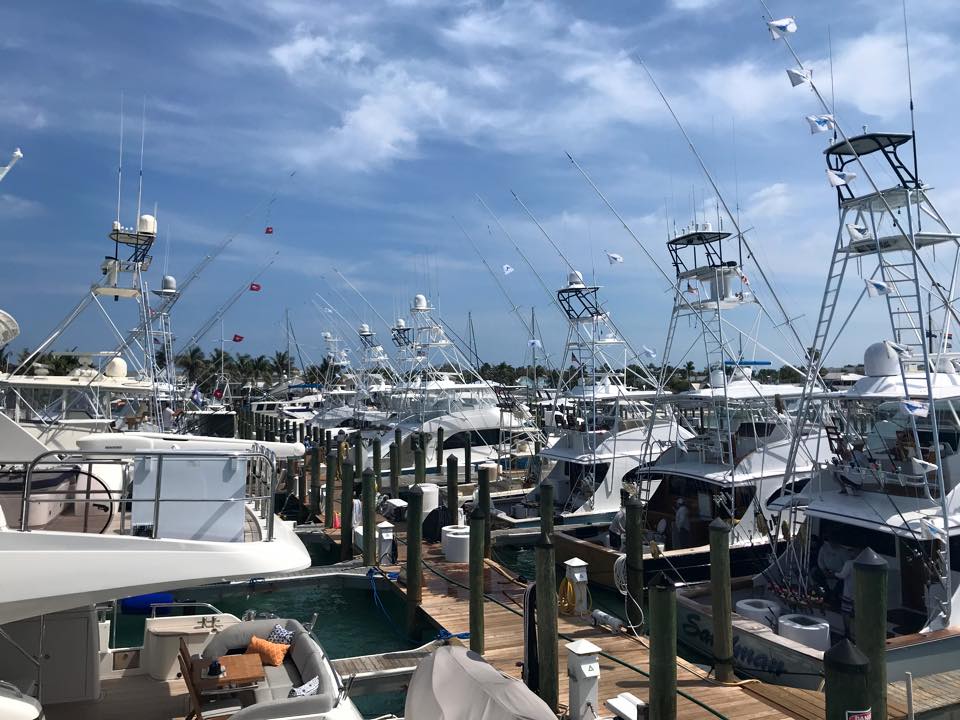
x: 751, y: 429
x: 792, y: 488
x: 855, y: 536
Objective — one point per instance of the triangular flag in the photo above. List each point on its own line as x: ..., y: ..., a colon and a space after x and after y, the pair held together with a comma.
x: 820, y: 123
x: 269, y: 230
x: 799, y: 77
x: 238, y: 338
x: 876, y: 288
x: 254, y: 287
x: 921, y: 467
x: 692, y: 290
x: 614, y: 257
x: 782, y: 27
x: 840, y: 177
x: 858, y: 233
x: 507, y: 269
x: 917, y: 409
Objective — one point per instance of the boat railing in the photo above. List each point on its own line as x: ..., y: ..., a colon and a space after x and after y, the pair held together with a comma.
x: 879, y: 480
x: 259, y: 485
x: 183, y: 605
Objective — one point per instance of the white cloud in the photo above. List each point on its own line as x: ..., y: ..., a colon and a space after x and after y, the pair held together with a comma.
x: 770, y: 203
x: 693, y: 4
x: 13, y: 207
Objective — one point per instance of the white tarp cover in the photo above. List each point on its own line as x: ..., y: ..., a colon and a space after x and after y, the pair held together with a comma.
x: 455, y: 683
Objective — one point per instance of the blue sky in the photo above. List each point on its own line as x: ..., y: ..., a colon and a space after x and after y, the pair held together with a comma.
x: 394, y: 114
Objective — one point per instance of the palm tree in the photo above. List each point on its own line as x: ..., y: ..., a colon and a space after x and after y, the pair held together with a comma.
x: 280, y: 364
x: 218, y: 357
x: 261, y: 367
x: 690, y: 367
x: 193, y: 363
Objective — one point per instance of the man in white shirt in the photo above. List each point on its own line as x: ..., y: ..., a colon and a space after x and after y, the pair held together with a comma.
x: 166, y: 417
x: 681, y: 525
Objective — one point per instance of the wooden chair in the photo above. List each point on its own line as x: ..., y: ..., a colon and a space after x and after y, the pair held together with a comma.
x: 200, y: 707
x: 185, y: 654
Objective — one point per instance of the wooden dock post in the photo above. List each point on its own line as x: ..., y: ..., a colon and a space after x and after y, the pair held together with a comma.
x: 327, y: 442
x: 847, y: 682
x: 439, y: 450
x: 720, y: 600
x: 546, y: 508
x: 414, y: 555
x: 870, y: 623
x: 315, y: 479
x: 467, y: 466
x: 549, y: 690
x: 634, y: 551
x: 419, y: 465
x: 369, y: 518
x: 346, y: 512
x: 478, y: 521
x: 378, y: 461
x: 663, y: 648
x: 357, y: 453
x: 394, y: 470
x: 453, y: 490
x: 398, y: 441
x: 329, y: 507
x: 486, y: 476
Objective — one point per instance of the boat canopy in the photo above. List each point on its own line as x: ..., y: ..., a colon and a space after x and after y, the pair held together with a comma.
x: 454, y: 682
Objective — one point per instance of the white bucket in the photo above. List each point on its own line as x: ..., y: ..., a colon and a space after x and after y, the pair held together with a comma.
x: 431, y: 498
x: 759, y: 610
x: 455, y: 541
x: 813, y: 632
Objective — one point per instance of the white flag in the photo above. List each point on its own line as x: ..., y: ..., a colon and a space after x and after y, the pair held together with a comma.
x: 858, y: 232
x: 507, y: 269
x: 839, y: 177
x: 820, y: 123
x: 901, y: 350
x: 921, y: 467
x: 681, y: 444
x: 691, y: 289
x: 533, y: 342
x: 799, y: 77
x: 782, y: 27
x: 649, y: 353
x: 614, y: 258
x: 917, y: 409
x: 876, y: 288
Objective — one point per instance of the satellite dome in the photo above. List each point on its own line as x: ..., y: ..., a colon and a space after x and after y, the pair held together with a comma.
x: 419, y: 302
x: 169, y: 283
x: 9, y: 329
x: 327, y: 336
x: 401, y: 323
x: 364, y: 329
x: 116, y: 368
x: 575, y: 279
x: 147, y: 225
x: 880, y: 360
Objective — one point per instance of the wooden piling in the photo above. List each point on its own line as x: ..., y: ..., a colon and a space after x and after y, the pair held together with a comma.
x: 439, y: 450
x: 378, y: 462
x: 414, y: 556
x: 486, y: 476
x: 420, y: 465
x: 467, y: 467
x: 398, y: 441
x: 327, y: 442
x: 453, y: 490
x: 663, y: 648
x: 478, y: 520
x: 720, y: 600
x: 346, y: 512
x: 633, y: 539
x: 394, y: 470
x: 315, y: 479
x: 870, y: 623
x: 329, y: 508
x: 549, y: 690
x: 546, y: 508
x: 847, y: 682
x: 369, y: 502
x: 358, y: 453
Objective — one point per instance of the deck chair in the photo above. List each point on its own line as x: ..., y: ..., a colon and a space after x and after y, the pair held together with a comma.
x: 200, y: 707
x: 185, y: 654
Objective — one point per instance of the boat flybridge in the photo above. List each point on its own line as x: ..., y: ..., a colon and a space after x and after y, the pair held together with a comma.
x: 607, y: 428
x: 890, y: 479
x: 725, y: 455
x: 186, y: 516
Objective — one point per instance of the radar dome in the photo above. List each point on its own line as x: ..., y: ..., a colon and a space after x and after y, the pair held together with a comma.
x: 419, y: 302
x: 575, y: 279
x: 880, y: 360
x: 147, y: 225
x: 364, y: 329
x: 116, y: 368
x: 401, y: 323
x: 169, y: 283
x: 9, y: 328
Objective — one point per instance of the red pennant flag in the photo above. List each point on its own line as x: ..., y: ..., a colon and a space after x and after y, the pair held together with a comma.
x: 254, y: 287
x: 218, y: 394
x: 238, y: 338
x: 269, y: 230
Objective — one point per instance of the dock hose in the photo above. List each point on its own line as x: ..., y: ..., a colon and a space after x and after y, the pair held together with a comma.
x: 608, y: 656
x: 567, y: 598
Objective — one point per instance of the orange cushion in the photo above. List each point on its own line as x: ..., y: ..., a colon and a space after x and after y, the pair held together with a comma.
x: 270, y: 653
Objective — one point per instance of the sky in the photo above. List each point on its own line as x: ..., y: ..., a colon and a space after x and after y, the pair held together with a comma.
x: 364, y: 132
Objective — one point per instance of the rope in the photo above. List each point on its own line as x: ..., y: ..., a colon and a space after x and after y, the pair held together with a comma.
x: 567, y: 598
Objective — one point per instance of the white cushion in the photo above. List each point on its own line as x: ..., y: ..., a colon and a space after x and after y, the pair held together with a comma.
x: 308, y: 688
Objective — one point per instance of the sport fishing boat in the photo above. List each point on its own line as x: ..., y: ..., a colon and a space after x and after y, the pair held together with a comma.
x: 733, y: 467
x: 608, y: 428
x: 889, y: 482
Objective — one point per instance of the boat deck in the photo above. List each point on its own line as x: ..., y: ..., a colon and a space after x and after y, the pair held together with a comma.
x: 136, y: 696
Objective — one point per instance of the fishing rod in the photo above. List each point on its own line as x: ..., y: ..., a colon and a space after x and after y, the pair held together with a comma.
x: 363, y: 297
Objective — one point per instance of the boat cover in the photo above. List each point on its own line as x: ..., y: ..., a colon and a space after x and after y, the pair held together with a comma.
x: 456, y: 683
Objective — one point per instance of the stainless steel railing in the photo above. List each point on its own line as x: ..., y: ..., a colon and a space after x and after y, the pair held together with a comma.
x: 260, y: 485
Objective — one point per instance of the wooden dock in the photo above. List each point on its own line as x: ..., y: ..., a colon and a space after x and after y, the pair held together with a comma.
x: 383, y: 672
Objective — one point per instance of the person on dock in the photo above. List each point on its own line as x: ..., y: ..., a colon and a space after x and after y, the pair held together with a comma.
x: 618, y: 526
x: 681, y: 525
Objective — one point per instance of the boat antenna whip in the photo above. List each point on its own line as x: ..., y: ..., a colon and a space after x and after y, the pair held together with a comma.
x: 4, y: 169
